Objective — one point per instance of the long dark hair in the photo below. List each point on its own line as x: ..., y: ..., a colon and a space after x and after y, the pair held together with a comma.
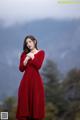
x: 25, y: 48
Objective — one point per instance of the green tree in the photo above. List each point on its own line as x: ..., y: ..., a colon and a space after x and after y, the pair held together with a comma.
x: 53, y: 87
x: 9, y: 103
x: 71, y: 87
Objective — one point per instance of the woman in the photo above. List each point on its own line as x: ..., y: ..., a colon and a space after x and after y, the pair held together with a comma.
x: 31, y: 97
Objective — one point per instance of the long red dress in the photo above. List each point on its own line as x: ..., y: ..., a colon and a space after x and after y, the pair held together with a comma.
x: 31, y: 96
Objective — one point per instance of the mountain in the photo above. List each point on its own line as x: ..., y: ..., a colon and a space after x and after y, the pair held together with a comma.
x: 60, y: 39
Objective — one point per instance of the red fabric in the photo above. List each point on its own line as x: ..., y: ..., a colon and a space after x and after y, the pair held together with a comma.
x: 31, y: 96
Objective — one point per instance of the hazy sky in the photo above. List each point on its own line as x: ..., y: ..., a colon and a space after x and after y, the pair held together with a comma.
x: 21, y: 11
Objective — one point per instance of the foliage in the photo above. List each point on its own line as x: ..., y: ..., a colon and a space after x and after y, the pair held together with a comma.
x: 62, y: 96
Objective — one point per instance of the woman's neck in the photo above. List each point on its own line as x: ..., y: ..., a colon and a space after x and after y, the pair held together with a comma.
x: 34, y: 50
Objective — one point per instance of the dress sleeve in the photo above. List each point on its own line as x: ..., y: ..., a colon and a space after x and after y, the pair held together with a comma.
x: 21, y: 65
x: 38, y: 60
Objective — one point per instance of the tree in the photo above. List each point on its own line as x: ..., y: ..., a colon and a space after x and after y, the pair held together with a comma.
x: 71, y: 87
x: 9, y: 103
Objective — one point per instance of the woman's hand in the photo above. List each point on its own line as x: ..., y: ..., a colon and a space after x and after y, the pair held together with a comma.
x: 31, y: 55
x: 26, y: 60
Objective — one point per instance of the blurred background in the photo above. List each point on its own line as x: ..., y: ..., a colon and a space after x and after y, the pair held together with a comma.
x: 56, y: 25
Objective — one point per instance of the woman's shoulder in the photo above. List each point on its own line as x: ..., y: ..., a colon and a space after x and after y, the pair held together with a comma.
x: 23, y: 53
x: 41, y: 51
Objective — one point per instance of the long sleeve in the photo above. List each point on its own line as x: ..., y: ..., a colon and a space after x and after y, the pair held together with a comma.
x: 38, y: 59
x: 21, y: 65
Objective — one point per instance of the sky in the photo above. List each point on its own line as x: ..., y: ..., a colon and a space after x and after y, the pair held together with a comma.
x: 21, y: 11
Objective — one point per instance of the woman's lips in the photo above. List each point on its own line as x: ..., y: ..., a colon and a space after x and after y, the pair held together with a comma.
x: 29, y: 46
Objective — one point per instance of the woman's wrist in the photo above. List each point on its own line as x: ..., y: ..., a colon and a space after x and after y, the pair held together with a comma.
x: 26, y: 60
x: 28, y: 57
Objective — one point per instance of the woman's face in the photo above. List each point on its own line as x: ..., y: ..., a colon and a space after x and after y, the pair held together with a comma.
x: 30, y: 44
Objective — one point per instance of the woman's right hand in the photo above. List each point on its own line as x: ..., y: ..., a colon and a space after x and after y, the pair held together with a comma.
x: 31, y: 55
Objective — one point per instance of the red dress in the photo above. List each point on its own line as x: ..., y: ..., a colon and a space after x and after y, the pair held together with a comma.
x: 31, y: 96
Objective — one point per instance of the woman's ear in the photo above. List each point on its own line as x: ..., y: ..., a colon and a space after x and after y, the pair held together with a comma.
x: 35, y: 41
